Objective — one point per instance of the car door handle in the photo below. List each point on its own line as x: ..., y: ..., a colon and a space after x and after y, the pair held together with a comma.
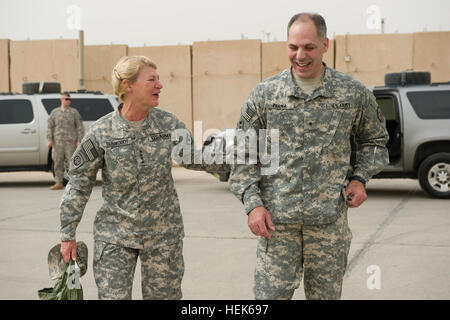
x: 28, y: 131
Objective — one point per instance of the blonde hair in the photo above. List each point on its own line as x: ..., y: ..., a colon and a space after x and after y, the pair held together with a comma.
x: 127, y: 68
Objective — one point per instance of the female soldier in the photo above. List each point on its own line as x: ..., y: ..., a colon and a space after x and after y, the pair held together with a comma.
x: 140, y: 216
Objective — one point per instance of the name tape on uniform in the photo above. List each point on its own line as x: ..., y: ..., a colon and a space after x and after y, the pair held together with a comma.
x: 118, y: 143
x: 160, y: 136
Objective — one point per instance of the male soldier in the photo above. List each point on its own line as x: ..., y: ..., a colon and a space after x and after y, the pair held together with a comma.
x: 64, y: 133
x: 319, y: 112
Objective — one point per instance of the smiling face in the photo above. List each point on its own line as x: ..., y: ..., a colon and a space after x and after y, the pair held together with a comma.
x: 147, y: 87
x: 305, y: 49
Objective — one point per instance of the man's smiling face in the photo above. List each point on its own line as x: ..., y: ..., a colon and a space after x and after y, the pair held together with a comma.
x: 306, y: 49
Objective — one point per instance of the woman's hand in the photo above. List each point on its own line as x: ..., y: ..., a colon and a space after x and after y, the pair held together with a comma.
x: 69, y: 250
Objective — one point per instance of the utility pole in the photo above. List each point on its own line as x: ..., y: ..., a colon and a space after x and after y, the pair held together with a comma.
x: 81, y: 58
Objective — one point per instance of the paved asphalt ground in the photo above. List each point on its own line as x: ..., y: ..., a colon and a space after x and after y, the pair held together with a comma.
x: 400, y: 248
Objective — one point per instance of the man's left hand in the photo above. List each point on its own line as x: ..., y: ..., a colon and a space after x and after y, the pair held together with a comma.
x: 355, y: 193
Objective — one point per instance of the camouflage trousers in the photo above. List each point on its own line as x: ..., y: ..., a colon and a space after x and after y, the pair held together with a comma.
x: 162, y: 270
x: 317, y: 253
x: 61, y: 154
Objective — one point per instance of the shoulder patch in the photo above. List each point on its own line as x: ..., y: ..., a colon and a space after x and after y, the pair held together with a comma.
x: 248, y: 113
x: 380, y: 114
x: 85, y: 152
x: 89, y: 148
x: 77, y: 160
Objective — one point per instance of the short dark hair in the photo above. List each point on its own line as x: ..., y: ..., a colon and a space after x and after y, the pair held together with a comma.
x: 316, y: 18
x: 66, y: 94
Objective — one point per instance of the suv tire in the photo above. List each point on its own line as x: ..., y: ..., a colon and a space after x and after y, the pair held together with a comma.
x: 434, y: 175
x: 409, y: 77
x: 47, y: 87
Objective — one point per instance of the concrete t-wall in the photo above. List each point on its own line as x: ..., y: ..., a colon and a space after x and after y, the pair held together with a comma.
x: 99, y: 62
x: 174, y: 69
x: 4, y: 65
x: 44, y: 60
x: 369, y: 57
x: 224, y: 73
x: 431, y: 52
x: 209, y: 81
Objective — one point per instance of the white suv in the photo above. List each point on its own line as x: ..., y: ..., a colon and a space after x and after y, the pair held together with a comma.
x: 23, y: 125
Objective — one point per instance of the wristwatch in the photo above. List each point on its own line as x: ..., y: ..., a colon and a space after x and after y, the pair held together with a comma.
x: 358, y: 178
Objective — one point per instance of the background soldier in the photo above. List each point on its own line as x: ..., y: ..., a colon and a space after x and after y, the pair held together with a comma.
x: 64, y: 133
x: 301, y: 211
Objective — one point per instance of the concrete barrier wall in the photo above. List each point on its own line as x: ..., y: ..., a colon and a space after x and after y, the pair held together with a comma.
x: 174, y: 69
x: 44, y: 60
x: 209, y: 81
x: 369, y: 57
x: 4, y: 65
x: 98, y: 64
x: 224, y: 73
x: 431, y: 52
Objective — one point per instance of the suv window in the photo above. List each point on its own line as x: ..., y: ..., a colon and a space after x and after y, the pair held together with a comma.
x: 89, y: 109
x: 430, y: 104
x: 15, y: 111
x: 387, y: 105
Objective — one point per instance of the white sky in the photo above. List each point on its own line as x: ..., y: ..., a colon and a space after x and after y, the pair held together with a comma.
x: 172, y: 22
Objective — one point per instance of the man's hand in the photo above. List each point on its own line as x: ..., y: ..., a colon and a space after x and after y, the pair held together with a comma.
x: 355, y: 193
x: 78, y: 143
x: 69, y: 250
x: 258, y: 219
x: 49, y: 144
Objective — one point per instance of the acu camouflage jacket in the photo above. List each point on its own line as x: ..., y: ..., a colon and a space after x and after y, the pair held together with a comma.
x: 316, y: 133
x: 141, y: 207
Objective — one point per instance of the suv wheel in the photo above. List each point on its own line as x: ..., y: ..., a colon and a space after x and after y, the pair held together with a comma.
x: 434, y: 175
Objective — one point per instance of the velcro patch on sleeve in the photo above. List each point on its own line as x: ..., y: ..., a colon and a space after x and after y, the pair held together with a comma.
x: 89, y: 149
x: 248, y: 113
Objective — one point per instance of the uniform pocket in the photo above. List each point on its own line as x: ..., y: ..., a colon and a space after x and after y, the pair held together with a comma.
x: 99, y: 248
x: 285, y: 121
x: 121, y: 163
x: 321, y: 125
x: 119, y: 154
x: 280, y: 258
x: 280, y: 118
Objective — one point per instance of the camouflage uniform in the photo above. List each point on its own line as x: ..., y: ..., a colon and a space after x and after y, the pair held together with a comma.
x: 65, y: 129
x: 140, y: 215
x: 306, y: 197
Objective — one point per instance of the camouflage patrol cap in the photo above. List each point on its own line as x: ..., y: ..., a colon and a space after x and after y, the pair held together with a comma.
x: 56, y: 262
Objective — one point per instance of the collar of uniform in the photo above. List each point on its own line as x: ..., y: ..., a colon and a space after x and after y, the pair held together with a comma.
x: 120, y: 125
x: 324, y: 90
